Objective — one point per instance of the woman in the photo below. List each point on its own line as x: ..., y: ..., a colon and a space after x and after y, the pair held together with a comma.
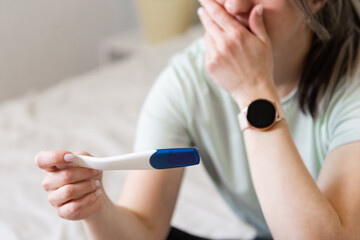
x: 271, y: 97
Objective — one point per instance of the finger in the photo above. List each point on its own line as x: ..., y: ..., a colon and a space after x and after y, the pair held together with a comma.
x: 220, y: 16
x: 74, y: 159
x: 211, y: 49
x: 54, y: 180
x: 256, y: 22
x: 80, y: 208
x: 211, y: 28
x: 82, y: 153
x: 71, y: 192
x: 48, y: 160
x: 209, y: 43
x: 210, y: 54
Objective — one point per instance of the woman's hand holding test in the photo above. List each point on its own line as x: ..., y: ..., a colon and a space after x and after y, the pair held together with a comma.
x: 77, y: 193
x: 238, y: 55
x: 73, y: 191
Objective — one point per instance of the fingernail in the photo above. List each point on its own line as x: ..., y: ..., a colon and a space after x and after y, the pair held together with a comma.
x: 200, y: 10
x: 69, y: 157
x: 98, y: 192
x: 62, y: 166
x: 97, y: 183
x: 260, y: 10
x: 96, y: 172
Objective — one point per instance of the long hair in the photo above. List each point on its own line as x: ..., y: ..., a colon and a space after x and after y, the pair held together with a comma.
x: 334, y: 56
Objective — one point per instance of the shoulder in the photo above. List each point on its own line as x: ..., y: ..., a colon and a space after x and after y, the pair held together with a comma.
x: 350, y: 91
x: 177, y: 82
x: 185, y: 73
x: 342, y: 117
x: 188, y: 64
x: 346, y: 97
x: 167, y: 109
x: 192, y: 54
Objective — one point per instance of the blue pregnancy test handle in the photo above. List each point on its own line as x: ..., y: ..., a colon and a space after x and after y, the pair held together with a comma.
x: 174, y: 158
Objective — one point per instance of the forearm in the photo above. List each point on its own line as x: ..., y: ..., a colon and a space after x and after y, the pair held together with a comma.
x: 116, y: 222
x: 291, y: 201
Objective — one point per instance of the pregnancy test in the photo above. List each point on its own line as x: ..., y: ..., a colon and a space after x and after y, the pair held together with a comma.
x: 152, y: 159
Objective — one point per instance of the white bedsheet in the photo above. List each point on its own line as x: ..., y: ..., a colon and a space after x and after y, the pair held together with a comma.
x: 95, y: 112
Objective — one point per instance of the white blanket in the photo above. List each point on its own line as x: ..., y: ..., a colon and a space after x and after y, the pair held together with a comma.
x: 96, y: 112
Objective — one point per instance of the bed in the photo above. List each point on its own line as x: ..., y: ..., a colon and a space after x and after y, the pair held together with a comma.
x: 95, y: 112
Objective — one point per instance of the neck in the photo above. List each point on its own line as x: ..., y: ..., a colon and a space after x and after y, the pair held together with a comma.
x: 289, y: 64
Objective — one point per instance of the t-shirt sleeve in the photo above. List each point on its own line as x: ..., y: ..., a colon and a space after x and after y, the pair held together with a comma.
x: 163, y: 118
x: 344, y: 123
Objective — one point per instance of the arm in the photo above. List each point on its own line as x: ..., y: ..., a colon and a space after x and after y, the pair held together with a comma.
x: 294, y: 205
x: 290, y: 197
x: 148, y: 198
x: 144, y: 209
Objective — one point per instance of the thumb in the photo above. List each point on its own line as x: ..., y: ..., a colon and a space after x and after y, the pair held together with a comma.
x: 75, y: 159
x: 256, y: 22
x: 83, y: 153
x: 72, y: 159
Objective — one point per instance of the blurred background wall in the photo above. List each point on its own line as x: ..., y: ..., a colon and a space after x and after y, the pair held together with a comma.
x: 42, y: 42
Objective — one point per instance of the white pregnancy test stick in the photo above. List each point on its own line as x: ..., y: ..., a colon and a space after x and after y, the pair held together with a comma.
x: 152, y: 159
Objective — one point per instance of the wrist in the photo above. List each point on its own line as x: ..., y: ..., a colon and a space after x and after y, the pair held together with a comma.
x: 98, y: 224
x: 106, y: 206
x: 262, y: 91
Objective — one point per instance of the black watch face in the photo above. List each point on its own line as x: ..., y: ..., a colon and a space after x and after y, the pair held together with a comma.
x: 261, y: 113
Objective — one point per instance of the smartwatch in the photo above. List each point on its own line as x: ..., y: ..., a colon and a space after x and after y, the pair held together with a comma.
x: 261, y: 115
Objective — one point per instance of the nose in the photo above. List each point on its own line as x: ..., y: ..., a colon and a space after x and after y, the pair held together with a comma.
x: 238, y: 7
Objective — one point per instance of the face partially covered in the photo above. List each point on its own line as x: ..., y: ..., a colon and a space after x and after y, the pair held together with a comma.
x: 284, y: 23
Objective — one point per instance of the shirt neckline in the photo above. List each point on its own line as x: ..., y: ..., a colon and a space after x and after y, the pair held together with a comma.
x: 289, y: 96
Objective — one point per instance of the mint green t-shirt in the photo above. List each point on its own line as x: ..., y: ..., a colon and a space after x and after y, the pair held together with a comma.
x: 185, y: 108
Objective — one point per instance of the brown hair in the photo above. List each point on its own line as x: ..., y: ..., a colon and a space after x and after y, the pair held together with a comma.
x: 334, y: 57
